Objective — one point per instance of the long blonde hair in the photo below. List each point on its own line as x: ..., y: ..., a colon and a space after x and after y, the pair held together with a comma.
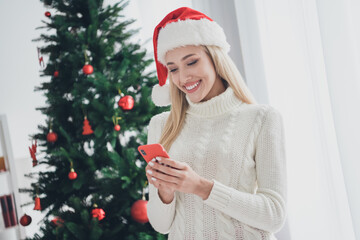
x: 230, y: 75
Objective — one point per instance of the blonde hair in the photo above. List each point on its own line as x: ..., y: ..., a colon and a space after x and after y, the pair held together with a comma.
x: 230, y: 75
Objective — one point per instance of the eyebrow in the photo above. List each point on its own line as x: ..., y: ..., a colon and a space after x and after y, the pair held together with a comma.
x: 189, y: 55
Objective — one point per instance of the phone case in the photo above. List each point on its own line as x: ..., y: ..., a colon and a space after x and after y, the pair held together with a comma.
x: 151, y: 151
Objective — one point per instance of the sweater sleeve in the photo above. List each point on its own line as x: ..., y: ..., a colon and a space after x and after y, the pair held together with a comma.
x: 266, y: 209
x: 160, y: 215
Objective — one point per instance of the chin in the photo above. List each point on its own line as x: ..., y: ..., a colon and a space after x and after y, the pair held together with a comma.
x: 196, y: 100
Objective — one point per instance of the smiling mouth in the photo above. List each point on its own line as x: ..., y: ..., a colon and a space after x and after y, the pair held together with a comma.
x: 193, y: 87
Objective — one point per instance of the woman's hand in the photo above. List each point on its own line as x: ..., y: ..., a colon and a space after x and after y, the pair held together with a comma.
x: 177, y: 176
x: 166, y: 194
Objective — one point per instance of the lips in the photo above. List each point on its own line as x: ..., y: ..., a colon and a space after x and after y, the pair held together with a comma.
x: 192, y: 87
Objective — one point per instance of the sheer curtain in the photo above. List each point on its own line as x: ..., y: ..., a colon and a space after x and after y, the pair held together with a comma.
x: 302, y: 56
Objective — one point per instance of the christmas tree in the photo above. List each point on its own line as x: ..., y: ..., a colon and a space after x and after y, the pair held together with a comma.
x: 98, y: 108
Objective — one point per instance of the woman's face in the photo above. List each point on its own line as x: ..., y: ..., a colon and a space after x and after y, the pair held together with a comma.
x: 193, y: 72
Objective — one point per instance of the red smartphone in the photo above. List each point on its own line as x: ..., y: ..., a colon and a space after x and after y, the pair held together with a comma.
x: 151, y: 151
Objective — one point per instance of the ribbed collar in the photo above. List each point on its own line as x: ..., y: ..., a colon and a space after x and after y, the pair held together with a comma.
x: 215, y: 106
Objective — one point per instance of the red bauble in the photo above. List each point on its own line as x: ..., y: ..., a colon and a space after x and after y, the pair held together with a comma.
x: 57, y: 222
x: 48, y: 14
x: 117, y: 127
x: 126, y: 103
x: 98, y: 213
x: 88, y: 69
x: 72, y: 174
x: 56, y: 73
x: 25, y: 220
x: 37, y: 204
x: 51, y: 137
x: 139, y: 211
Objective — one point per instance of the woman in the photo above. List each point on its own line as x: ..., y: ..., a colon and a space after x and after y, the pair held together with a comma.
x: 226, y: 175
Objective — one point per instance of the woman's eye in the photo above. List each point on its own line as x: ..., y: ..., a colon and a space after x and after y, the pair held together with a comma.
x: 173, y: 70
x: 192, y: 62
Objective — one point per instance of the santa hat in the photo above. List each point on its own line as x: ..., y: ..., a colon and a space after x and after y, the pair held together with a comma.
x: 181, y: 27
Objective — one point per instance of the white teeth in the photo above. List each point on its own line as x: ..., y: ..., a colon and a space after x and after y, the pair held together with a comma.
x: 193, y: 86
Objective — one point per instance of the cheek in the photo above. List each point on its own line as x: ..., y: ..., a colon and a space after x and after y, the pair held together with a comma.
x: 207, y: 72
x: 175, y: 80
x: 211, y: 75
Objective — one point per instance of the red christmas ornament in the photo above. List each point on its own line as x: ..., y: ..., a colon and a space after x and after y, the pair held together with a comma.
x: 33, y: 152
x: 139, y: 211
x: 72, y: 174
x: 56, y: 73
x: 51, y: 137
x: 117, y: 127
x: 34, y: 146
x: 41, y: 59
x: 87, y: 128
x: 126, y: 102
x: 25, y: 220
x: 37, y: 204
x: 88, y: 69
x: 57, y: 222
x: 47, y: 14
x: 98, y: 213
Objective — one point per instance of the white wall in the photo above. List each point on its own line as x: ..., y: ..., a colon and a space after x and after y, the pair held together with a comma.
x: 20, y: 70
x: 19, y: 75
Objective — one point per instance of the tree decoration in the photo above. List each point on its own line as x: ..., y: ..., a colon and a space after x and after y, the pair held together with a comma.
x: 87, y: 68
x: 126, y: 102
x: 48, y: 14
x: 98, y: 213
x: 57, y: 222
x: 32, y: 150
x: 139, y: 209
x: 87, y: 128
x: 51, y: 137
x: 25, y: 220
x: 117, y: 127
x: 37, y: 203
x: 72, y: 174
x: 115, y: 121
x: 41, y: 59
x: 56, y: 73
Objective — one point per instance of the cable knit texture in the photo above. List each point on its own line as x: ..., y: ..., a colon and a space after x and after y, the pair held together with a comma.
x: 241, y: 148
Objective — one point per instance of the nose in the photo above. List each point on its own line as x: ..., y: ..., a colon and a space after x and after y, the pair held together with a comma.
x: 185, y: 77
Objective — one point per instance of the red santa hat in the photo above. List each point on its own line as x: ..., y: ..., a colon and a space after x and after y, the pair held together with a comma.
x: 181, y: 27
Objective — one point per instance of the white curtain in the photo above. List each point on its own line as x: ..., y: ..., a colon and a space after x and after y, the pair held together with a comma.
x: 303, y: 54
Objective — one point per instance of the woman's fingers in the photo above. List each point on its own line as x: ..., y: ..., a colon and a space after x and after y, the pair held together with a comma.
x: 163, y: 169
x: 172, y: 163
x: 162, y: 176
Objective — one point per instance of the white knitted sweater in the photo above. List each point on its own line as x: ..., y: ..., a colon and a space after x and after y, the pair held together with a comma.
x: 240, y: 147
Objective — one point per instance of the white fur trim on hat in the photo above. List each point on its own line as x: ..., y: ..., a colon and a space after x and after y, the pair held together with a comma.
x: 161, y: 95
x: 190, y: 32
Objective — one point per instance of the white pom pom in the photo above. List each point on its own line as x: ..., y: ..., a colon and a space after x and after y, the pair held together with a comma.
x: 161, y: 95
